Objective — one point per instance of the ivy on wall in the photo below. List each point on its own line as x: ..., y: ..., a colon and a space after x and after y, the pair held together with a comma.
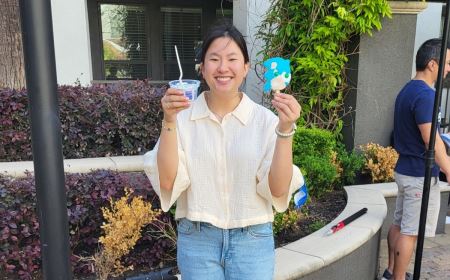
x: 314, y: 34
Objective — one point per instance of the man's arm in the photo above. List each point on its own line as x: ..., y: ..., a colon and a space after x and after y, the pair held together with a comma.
x: 441, y: 154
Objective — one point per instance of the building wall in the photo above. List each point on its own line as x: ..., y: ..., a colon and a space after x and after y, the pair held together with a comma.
x: 383, y: 69
x: 384, y: 64
x: 247, y: 15
x: 71, y: 37
x: 72, y: 49
x: 428, y: 26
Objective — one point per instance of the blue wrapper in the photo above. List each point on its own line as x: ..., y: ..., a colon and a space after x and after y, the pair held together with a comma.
x: 277, y: 75
x: 301, y: 196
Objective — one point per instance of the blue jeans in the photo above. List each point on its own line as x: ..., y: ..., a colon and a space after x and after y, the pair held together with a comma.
x: 207, y: 252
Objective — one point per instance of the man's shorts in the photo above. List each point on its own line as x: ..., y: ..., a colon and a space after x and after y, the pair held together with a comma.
x: 409, y: 201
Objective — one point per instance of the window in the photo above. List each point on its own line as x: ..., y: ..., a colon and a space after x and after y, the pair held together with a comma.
x: 135, y: 39
x: 224, y: 13
x: 182, y: 27
x: 124, y: 41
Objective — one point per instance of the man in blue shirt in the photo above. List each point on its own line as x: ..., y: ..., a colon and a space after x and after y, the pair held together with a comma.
x: 412, y: 126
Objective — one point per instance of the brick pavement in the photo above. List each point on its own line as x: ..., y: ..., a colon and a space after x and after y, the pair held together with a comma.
x: 435, y: 257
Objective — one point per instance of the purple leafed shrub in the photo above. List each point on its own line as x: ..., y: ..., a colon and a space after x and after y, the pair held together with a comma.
x: 96, y: 121
x: 15, y: 143
x: 86, y: 194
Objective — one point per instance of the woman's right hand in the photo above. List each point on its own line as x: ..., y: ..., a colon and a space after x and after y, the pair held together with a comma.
x: 173, y: 102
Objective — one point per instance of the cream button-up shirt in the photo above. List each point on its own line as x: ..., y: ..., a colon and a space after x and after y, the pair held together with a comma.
x: 223, y: 168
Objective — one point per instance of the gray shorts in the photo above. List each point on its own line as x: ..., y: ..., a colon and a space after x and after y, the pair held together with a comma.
x: 409, y: 201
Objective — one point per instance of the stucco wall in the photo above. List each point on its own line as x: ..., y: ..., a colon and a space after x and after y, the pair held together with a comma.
x: 383, y: 65
x: 383, y: 69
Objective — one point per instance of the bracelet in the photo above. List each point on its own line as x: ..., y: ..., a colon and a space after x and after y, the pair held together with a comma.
x: 167, y: 128
x: 286, y: 135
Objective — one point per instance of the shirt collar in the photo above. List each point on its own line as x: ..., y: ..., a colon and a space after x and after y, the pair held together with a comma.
x: 200, y: 109
x: 242, y: 112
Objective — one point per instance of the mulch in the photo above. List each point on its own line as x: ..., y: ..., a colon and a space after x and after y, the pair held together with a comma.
x: 318, y: 211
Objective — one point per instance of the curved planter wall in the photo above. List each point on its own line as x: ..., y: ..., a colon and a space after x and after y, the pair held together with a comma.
x: 351, y: 253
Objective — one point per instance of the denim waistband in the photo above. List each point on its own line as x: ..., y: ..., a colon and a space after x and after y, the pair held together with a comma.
x: 199, y: 225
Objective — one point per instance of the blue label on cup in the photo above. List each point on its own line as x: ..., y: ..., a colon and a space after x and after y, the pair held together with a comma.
x: 189, y: 94
x: 189, y: 87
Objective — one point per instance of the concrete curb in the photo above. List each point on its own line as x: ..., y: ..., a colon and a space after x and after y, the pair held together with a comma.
x: 317, y: 250
x: 126, y: 164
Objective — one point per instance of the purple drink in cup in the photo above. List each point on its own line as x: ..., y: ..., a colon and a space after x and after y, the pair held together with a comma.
x: 189, y: 87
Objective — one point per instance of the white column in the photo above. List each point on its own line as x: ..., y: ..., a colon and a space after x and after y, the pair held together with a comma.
x: 428, y: 27
x: 71, y: 36
x: 247, y: 16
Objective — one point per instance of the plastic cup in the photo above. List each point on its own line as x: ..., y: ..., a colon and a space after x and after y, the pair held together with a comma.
x: 189, y: 87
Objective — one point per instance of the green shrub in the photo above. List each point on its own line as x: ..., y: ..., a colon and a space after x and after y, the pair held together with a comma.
x: 351, y: 163
x: 316, y: 225
x: 285, y: 220
x: 320, y: 175
x: 324, y: 161
x: 314, y: 142
x: 313, y: 150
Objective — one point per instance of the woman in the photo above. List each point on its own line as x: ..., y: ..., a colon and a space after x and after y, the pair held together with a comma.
x: 226, y: 161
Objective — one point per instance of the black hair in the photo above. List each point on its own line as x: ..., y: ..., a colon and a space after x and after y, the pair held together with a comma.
x: 224, y: 28
x: 429, y: 50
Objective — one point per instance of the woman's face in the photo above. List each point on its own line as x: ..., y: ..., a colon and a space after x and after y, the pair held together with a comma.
x: 224, y: 67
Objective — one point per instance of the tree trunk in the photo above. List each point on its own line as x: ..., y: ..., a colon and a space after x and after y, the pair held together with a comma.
x: 12, y: 68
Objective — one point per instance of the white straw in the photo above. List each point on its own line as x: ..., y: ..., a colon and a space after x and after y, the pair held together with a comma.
x: 179, y: 65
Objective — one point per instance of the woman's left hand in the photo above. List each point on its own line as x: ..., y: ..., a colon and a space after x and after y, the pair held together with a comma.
x: 288, y: 110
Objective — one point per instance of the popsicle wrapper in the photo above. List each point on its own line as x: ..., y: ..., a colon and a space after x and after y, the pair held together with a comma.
x: 301, y: 196
x: 277, y: 75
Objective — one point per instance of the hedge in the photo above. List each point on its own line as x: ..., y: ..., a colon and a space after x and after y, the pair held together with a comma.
x: 86, y: 194
x: 96, y: 121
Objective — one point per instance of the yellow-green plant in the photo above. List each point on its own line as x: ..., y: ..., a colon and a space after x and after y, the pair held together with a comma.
x: 314, y: 35
x: 380, y: 162
x: 286, y: 220
x: 122, y: 229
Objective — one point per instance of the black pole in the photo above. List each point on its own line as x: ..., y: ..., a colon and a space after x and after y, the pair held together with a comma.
x: 430, y: 155
x: 447, y: 123
x: 40, y: 70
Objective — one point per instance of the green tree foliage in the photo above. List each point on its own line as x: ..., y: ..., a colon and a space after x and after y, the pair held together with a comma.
x: 314, y: 34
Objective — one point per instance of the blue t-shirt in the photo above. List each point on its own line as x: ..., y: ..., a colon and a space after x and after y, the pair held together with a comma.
x: 413, y: 106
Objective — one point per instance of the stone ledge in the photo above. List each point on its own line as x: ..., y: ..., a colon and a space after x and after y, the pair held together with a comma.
x: 125, y: 164
x: 390, y: 189
x: 407, y: 7
x: 305, y: 256
x: 317, y: 251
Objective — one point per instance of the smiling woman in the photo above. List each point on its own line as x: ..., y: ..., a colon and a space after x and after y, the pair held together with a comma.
x: 223, y: 163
